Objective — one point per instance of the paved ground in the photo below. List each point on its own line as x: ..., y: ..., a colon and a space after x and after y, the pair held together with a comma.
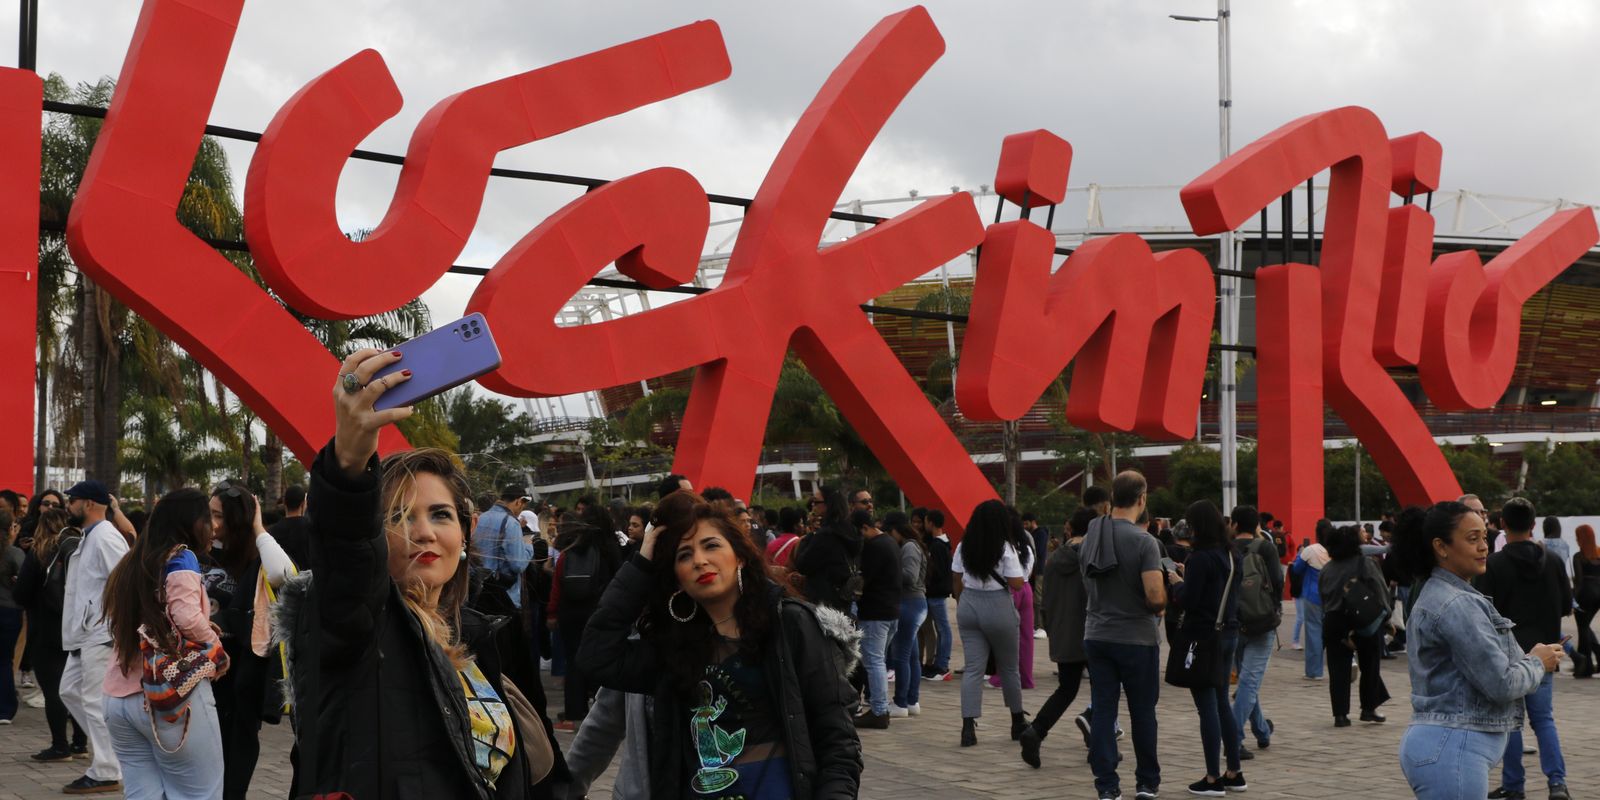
x: 919, y: 758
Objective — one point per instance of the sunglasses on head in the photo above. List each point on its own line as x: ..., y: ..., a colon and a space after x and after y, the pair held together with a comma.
x: 228, y: 490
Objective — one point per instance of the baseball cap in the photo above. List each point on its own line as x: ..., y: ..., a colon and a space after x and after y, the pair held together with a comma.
x: 91, y: 490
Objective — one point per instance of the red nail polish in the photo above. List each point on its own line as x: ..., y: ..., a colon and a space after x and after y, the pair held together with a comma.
x: 406, y: 372
x: 395, y: 353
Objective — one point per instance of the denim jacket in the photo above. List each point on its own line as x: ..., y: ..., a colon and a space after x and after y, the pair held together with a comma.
x: 1466, y: 668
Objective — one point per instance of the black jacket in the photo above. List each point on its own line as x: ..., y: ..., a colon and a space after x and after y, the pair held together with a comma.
x: 1529, y: 586
x: 880, y: 579
x: 820, y: 739
x: 824, y: 559
x: 940, y: 584
x: 389, y: 716
x: 1205, y: 578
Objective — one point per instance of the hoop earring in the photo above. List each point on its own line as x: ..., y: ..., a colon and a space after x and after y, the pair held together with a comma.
x: 694, y: 608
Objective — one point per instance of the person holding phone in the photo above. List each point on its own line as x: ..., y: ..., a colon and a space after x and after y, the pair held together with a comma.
x: 1469, y: 675
x: 398, y: 685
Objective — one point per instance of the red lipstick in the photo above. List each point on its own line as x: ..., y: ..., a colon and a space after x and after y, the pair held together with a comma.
x: 706, y: 578
x: 425, y: 558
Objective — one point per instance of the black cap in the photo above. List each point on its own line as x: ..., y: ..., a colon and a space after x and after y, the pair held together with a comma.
x: 512, y: 493
x: 91, y: 490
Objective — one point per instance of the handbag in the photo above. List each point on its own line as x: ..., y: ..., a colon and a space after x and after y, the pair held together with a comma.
x: 1196, y: 662
x: 172, y: 674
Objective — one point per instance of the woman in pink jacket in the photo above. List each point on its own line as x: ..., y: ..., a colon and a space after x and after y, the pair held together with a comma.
x: 157, y: 587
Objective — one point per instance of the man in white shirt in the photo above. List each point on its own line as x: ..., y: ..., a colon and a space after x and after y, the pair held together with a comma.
x: 84, y: 634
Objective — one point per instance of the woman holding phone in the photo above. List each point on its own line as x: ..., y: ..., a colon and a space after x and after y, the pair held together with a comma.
x: 1468, y: 676
x: 398, y: 685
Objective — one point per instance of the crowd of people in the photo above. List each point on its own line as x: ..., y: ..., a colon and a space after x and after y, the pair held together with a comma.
x: 403, y: 627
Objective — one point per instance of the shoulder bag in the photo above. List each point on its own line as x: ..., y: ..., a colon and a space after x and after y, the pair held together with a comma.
x: 1198, y: 661
x: 172, y: 671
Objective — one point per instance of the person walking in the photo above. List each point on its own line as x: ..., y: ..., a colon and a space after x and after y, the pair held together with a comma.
x: 986, y: 571
x: 1206, y: 593
x: 940, y: 587
x: 156, y: 599
x: 1528, y: 585
x: 749, y: 687
x: 1126, y: 594
x: 1297, y: 591
x: 40, y: 590
x: 248, y: 561
x: 385, y: 617
x: 1066, y: 604
x: 1355, y: 606
x: 1260, y: 612
x: 913, y: 610
x: 1586, y: 588
x: 1307, y: 567
x: 84, y: 636
x: 1022, y: 540
x: 1468, y: 673
x: 879, y: 613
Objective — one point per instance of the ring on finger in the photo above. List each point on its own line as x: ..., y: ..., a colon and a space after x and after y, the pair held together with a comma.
x: 385, y: 382
x: 351, y: 383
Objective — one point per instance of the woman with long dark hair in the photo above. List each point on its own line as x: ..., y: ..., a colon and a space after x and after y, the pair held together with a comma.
x: 53, y: 543
x: 40, y: 503
x: 247, y: 560
x: 1022, y: 542
x: 582, y: 572
x: 826, y: 556
x: 986, y: 572
x: 398, y: 685
x: 156, y: 594
x: 1210, y: 581
x: 750, y: 689
x: 1468, y: 676
x: 1340, y: 637
x: 1586, y: 591
x: 905, y: 655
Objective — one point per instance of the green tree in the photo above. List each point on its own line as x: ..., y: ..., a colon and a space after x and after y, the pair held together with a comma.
x: 1194, y: 472
x: 1477, y: 472
x: 494, y: 440
x: 1563, y: 479
x: 802, y: 413
x: 1339, y: 481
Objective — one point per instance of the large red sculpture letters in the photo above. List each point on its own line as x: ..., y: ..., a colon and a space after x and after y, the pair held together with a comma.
x: 21, y: 94
x: 1138, y: 323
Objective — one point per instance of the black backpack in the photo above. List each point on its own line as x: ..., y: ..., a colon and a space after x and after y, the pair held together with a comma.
x: 584, y: 576
x: 850, y: 588
x: 54, y: 596
x: 1364, y: 607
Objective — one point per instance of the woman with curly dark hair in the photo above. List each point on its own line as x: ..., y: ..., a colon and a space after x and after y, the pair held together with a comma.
x: 750, y: 689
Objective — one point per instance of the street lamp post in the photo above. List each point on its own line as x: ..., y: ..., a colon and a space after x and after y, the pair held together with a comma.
x: 1228, y: 327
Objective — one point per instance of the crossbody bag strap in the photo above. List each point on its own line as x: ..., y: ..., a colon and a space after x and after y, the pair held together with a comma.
x: 1222, y: 607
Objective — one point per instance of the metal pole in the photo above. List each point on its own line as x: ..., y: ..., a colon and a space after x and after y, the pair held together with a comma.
x: 1226, y: 381
x: 1357, y: 448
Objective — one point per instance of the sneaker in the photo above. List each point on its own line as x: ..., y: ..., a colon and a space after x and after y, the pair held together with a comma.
x: 1038, y: 633
x: 1503, y: 793
x: 88, y: 785
x: 1373, y: 716
x: 915, y: 709
x: 1111, y: 794
x: 1527, y: 748
x: 5, y: 722
x: 1341, y: 722
x: 1205, y: 787
x: 871, y: 720
x: 1246, y: 755
x: 899, y: 711
x: 1030, y: 746
x: 1263, y: 742
x: 944, y: 676
x: 1313, y: 677
x: 1083, y: 725
x: 1146, y: 793
x: 26, y: 681
x: 565, y: 725
x: 1235, y: 783
x: 1296, y: 646
x: 34, y: 699
x: 52, y: 754
x: 80, y: 751
x: 891, y: 676
x: 1558, y: 791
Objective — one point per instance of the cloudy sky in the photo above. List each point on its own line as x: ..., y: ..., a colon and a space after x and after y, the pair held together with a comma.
x: 1510, y: 89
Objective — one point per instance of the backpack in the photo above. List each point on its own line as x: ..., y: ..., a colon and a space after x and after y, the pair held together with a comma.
x: 54, y: 596
x: 1258, y: 609
x: 584, y: 576
x: 850, y: 588
x: 1364, y: 609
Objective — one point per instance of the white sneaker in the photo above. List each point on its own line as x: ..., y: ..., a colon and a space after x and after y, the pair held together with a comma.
x: 1038, y: 633
x: 895, y: 712
x: 1296, y: 646
x: 891, y: 676
x: 26, y: 681
x: 34, y: 699
x: 5, y: 722
x: 915, y: 709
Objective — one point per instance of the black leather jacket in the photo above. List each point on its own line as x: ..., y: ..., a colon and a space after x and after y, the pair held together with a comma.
x: 823, y: 748
x: 390, y: 716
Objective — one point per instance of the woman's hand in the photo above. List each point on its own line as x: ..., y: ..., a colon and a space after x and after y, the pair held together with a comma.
x: 647, y: 545
x: 1550, y: 654
x: 258, y: 528
x: 355, y: 437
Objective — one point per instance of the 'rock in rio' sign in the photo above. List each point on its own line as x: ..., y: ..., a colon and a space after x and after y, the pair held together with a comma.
x: 1138, y: 323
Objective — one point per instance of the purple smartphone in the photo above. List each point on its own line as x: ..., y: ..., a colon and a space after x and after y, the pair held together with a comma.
x: 441, y: 360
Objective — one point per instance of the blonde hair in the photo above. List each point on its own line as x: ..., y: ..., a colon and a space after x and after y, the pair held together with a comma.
x: 442, y: 622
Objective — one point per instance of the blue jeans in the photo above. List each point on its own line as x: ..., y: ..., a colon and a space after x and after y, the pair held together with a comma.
x: 1254, y: 653
x: 907, y: 672
x: 875, y: 636
x: 149, y: 772
x: 1114, y: 667
x: 939, y: 610
x: 10, y: 629
x: 1299, y: 619
x: 1313, y: 640
x: 1541, y: 717
x: 1449, y: 763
